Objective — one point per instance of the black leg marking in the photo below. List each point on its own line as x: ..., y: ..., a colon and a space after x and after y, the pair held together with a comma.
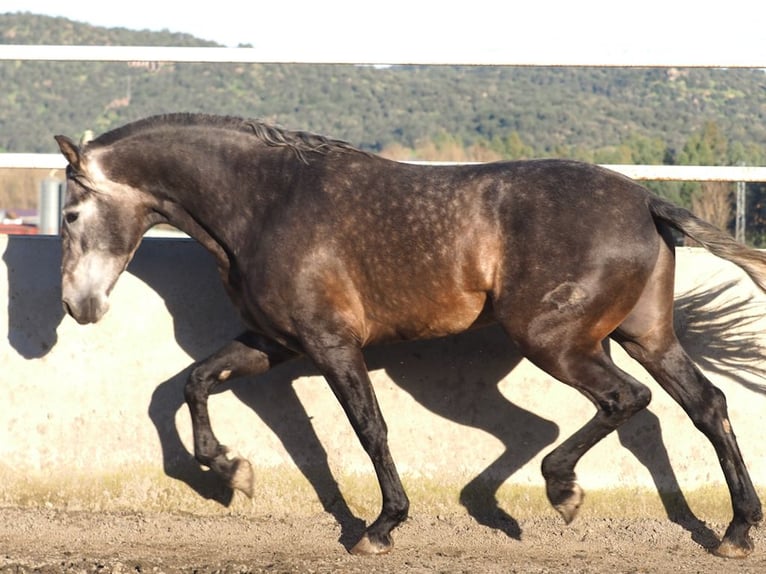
x: 344, y: 368
x: 706, y: 406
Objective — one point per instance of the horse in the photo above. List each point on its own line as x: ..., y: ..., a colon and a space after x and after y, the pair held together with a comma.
x: 325, y: 248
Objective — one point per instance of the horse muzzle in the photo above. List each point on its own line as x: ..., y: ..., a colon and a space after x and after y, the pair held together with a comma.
x: 87, y: 310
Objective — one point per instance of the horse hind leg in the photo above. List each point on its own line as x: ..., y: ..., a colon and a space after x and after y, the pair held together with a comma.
x: 616, y: 395
x: 647, y: 335
x: 248, y: 354
x: 662, y: 356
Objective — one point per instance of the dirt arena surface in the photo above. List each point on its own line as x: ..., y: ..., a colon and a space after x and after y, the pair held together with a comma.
x: 48, y: 541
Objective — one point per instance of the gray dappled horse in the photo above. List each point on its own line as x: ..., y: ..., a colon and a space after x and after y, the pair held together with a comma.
x: 325, y: 249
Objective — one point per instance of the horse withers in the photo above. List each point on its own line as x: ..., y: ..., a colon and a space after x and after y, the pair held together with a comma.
x: 325, y: 249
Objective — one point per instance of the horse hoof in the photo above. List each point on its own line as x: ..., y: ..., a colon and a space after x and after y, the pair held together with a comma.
x: 366, y: 547
x: 243, y: 478
x: 569, y: 508
x: 728, y: 549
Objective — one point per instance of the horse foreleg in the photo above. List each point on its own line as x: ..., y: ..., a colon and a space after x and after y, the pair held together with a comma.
x: 248, y: 354
x: 344, y: 368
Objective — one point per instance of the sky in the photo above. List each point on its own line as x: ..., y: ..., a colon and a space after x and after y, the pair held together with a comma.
x: 676, y: 31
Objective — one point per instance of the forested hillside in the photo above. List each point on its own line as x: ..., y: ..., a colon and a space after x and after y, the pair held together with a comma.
x: 442, y: 112
x: 567, y: 111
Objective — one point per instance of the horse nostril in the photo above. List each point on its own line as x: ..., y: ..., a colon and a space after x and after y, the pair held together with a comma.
x: 67, y: 308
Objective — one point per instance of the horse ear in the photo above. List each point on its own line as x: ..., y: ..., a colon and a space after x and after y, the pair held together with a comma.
x: 70, y: 150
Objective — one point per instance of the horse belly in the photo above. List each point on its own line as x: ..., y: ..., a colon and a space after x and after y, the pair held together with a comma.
x: 425, y: 318
x: 444, y: 292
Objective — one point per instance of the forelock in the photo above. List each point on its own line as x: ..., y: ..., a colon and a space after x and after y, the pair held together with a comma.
x: 93, y: 168
x: 97, y: 179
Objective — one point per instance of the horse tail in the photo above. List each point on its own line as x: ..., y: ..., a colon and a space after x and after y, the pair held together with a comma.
x: 719, y: 243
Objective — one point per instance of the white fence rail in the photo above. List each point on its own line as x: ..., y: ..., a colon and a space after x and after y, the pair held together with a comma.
x: 375, y: 55
x: 748, y: 174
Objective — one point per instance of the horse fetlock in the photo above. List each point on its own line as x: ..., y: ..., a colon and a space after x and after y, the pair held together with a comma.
x: 746, y: 515
x: 228, y: 453
x: 396, y: 512
x: 235, y: 470
x: 755, y: 516
x: 373, y: 545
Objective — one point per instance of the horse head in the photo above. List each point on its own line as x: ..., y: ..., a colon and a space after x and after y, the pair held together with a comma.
x: 103, y: 223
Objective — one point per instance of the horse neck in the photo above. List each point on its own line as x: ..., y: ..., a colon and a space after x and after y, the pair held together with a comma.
x: 218, y: 205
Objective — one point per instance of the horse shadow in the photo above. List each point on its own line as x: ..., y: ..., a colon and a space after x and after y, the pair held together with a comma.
x: 34, y: 300
x: 430, y: 372
x: 438, y: 383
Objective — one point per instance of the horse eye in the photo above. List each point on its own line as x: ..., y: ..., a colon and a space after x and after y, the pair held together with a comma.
x: 71, y: 217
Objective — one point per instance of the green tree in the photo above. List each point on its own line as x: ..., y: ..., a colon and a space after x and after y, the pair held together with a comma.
x: 512, y: 146
x: 707, y: 146
x: 710, y: 200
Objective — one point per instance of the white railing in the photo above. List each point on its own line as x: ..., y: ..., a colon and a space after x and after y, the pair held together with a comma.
x: 32, y: 160
x: 748, y: 174
x: 457, y: 55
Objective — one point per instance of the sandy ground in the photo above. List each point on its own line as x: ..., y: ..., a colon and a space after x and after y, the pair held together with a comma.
x: 48, y: 540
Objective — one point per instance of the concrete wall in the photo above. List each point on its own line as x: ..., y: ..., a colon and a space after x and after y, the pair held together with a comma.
x: 94, y: 416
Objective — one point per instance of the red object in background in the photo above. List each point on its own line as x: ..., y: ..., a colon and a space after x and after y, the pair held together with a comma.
x: 15, y: 229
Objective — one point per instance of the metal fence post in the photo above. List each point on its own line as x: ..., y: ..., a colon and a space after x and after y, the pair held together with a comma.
x: 50, y: 205
x: 740, y: 221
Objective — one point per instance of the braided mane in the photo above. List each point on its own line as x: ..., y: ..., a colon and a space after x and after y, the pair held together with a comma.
x: 300, y: 142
